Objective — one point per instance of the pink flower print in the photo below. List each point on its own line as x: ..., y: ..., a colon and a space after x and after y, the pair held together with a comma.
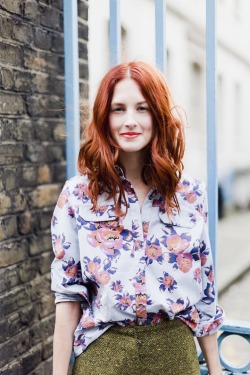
x: 210, y: 273
x: 140, y: 288
x: 124, y: 301
x: 181, y: 188
x: 177, y: 244
x: 203, y: 259
x: 139, y: 284
x: 101, y: 210
x: 197, y: 275
x: 71, y: 271
x: 100, y: 276
x: 141, y: 299
x: 80, y: 340
x: 191, y: 318
x: 137, y: 245
x: 204, y: 251
x: 145, y: 227
x: 87, y: 322
x: 184, y: 262
x: 63, y: 198
x: 140, y: 303
x: 154, y: 252
x: 109, y: 241
x: 191, y: 196
x: 81, y: 192
x: 112, y: 224
x: 59, y: 250
x: 60, y: 245
x: 93, y: 267
x: 212, y: 326
x: 177, y: 306
x: 195, y: 317
x: 158, y: 318
x: 167, y: 282
x: 103, y: 277
x: 116, y: 286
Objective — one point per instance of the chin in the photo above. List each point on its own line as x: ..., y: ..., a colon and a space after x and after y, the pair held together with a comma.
x: 131, y: 149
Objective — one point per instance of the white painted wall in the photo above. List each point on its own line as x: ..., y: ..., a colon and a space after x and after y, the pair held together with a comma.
x: 186, y: 45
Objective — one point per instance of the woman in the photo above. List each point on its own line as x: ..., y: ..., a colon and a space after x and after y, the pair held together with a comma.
x: 133, y: 272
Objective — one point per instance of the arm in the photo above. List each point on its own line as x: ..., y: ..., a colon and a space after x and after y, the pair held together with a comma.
x: 211, y: 314
x: 209, y: 347
x: 67, y: 319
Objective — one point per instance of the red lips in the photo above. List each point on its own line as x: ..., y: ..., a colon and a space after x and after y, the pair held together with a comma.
x: 130, y: 133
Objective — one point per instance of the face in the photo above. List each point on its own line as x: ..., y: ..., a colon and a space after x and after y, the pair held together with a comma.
x: 130, y: 119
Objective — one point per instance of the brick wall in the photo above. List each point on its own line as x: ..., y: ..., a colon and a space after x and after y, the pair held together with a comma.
x: 32, y: 171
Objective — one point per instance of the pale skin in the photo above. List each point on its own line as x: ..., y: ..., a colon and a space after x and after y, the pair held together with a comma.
x: 67, y: 319
x: 129, y: 114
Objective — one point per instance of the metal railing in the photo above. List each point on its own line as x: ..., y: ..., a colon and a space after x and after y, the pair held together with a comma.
x: 73, y: 128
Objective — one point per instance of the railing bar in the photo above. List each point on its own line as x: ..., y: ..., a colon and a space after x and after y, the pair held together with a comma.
x: 71, y: 85
x: 211, y: 123
x: 160, y: 35
x: 114, y: 32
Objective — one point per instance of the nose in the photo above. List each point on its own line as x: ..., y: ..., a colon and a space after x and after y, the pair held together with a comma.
x: 130, y: 120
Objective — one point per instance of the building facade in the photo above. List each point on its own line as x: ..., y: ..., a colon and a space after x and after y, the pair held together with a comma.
x: 186, y: 76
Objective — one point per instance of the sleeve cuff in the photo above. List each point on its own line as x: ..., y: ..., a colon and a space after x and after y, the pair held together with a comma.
x: 60, y: 297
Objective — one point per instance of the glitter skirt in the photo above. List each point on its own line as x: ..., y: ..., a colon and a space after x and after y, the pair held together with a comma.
x: 166, y: 348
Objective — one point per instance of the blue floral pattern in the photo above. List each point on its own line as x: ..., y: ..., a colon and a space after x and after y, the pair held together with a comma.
x: 140, y: 269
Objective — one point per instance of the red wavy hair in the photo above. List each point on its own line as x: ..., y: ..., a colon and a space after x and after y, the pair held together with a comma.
x: 99, y: 153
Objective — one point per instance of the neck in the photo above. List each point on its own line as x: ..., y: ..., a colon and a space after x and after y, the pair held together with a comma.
x: 133, y: 163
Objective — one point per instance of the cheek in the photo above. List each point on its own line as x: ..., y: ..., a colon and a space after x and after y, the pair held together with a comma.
x: 150, y: 127
x: 113, y: 127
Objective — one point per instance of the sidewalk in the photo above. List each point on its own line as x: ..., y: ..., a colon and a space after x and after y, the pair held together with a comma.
x: 233, y: 255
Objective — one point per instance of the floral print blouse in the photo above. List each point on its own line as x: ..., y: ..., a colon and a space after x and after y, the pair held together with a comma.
x: 146, y: 267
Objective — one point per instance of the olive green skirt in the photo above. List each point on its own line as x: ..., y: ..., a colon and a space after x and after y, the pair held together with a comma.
x: 166, y: 348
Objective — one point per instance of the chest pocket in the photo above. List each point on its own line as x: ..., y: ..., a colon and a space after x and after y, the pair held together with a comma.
x: 183, y: 219
x: 103, y: 231
x: 104, y: 216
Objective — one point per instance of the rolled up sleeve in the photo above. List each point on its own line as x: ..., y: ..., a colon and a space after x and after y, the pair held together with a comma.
x: 66, y: 273
x: 211, y: 315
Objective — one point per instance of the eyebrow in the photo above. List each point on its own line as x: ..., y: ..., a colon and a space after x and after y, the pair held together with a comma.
x: 121, y: 103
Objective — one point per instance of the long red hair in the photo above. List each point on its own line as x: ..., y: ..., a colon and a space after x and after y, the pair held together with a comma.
x: 99, y: 154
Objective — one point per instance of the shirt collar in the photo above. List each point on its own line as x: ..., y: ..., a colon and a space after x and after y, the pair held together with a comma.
x: 120, y: 171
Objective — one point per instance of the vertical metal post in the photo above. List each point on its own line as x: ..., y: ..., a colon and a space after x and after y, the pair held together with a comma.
x: 211, y: 122
x: 114, y: 32
x: 160, y: 35
x: 71, y: 85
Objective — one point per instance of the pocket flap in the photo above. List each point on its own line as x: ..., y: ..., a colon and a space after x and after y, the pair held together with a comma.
x: 184, y: 218
x: 104, y: 212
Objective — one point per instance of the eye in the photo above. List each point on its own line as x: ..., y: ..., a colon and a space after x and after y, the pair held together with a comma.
x: 117, y: 109
x: 142, y: 108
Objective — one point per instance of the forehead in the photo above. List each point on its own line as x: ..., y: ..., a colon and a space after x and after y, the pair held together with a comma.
x: 127, y: 89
